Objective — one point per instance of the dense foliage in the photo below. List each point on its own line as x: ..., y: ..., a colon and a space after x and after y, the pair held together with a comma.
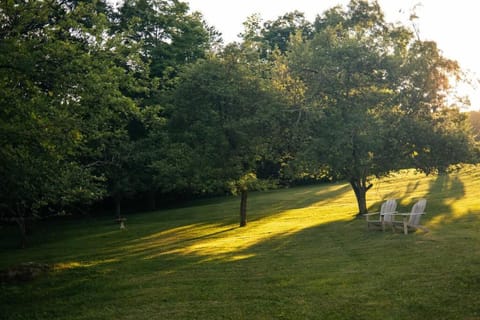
x: 143, y: 100
x: 377, y: 98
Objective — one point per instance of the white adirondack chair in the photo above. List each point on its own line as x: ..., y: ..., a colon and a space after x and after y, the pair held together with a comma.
x: 385, y: 215
x: 412, y: 220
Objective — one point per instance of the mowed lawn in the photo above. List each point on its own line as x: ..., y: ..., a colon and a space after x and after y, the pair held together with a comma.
x: 303, y: 255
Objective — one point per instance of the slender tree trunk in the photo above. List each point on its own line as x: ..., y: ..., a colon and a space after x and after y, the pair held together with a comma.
x: 19, y: 217
x: 243, y: 208
x: 22, y: 227
x: 152, y: 201
x: 118, y: 202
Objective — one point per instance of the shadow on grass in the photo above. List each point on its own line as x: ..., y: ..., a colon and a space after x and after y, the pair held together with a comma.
x: 269, y: 214
x: 334, y: 270
x: 445, y: 187
x: 167, y: 233
x: 160, y: 231
x: 290, y: 262
x: 444, y: 192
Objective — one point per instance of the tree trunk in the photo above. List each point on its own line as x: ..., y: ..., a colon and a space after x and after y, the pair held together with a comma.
x: 152, y: 200
x: 18, y: 216
x: 243, y: 208
x: 22, y: 226
x: 360, y: 187
x: 118, y: 202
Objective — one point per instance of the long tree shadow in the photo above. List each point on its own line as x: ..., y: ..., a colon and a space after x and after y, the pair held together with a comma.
x: 207, y: 236
x: 151, y: 233
x: 443, y: 192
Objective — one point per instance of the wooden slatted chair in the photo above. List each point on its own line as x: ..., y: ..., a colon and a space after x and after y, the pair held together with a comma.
x: 412, y: 220
x: 385, y: 215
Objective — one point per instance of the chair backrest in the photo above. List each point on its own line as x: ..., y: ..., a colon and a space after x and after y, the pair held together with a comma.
x: 388, y: 206
x: 417, y: 210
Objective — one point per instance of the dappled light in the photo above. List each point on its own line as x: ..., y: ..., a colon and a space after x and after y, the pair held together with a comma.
x: 236, y: 240
x: 62, y: 266
x: 457, y: 196
x: 228, y: 241
x: 290, y: 212
x: 285, y: 213
x: 214, y: 233
x: 450, y: 197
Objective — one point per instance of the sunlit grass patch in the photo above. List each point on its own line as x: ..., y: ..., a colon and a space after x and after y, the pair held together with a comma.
x: 62, y: 266
x: 281, y: 219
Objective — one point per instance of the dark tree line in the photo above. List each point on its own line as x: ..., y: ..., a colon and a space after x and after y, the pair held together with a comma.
x: 99, y: 102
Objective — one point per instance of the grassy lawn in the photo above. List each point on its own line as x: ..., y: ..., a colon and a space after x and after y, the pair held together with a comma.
x: 303, y: 255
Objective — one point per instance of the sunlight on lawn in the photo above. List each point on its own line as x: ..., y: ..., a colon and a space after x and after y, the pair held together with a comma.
x: 77, y: 264
x: 280, y: 215
x: 452, y: 197
x: 302, y: 248
x: 237, y: 240
x: 230, y: 242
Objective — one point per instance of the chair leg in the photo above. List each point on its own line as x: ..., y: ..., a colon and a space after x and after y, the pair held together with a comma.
x: 405, y: 226
x: 422, y: 228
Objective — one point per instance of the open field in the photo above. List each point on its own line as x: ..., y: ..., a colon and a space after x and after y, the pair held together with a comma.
x: 303, y: 255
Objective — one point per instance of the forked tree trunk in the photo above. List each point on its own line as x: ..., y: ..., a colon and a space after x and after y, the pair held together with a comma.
x: 243, y: 208
x: 360, y: 186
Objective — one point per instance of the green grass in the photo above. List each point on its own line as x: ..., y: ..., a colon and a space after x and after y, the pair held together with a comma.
x: 303, y: 255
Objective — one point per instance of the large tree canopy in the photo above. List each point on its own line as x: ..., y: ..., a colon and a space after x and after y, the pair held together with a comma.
x: 224, y: 114
x: 52, y: 76
x: 377, y: 98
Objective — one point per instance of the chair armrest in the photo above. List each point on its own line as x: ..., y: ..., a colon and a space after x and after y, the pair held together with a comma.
x: 389, y: 216
x: 390, y: 213
x: 370, y: 214
x: 408, y: 213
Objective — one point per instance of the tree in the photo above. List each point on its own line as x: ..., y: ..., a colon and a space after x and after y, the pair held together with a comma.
x: 373, y: 93
x: 475, y: 122
x: 43, y: 53
x: 164, y: 37
x: 66, y: 106
x: 437, y: 135
x: 274, y: 35
x: 277, y: 33
x: 263, y: 50
x: 169, y: 35
x: 222, y: 117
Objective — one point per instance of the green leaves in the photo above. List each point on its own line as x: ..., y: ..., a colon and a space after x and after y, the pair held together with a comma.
x: 168, y: 34
x: 376, y: 97
x: 225, y: 114
x: 59, y: 93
